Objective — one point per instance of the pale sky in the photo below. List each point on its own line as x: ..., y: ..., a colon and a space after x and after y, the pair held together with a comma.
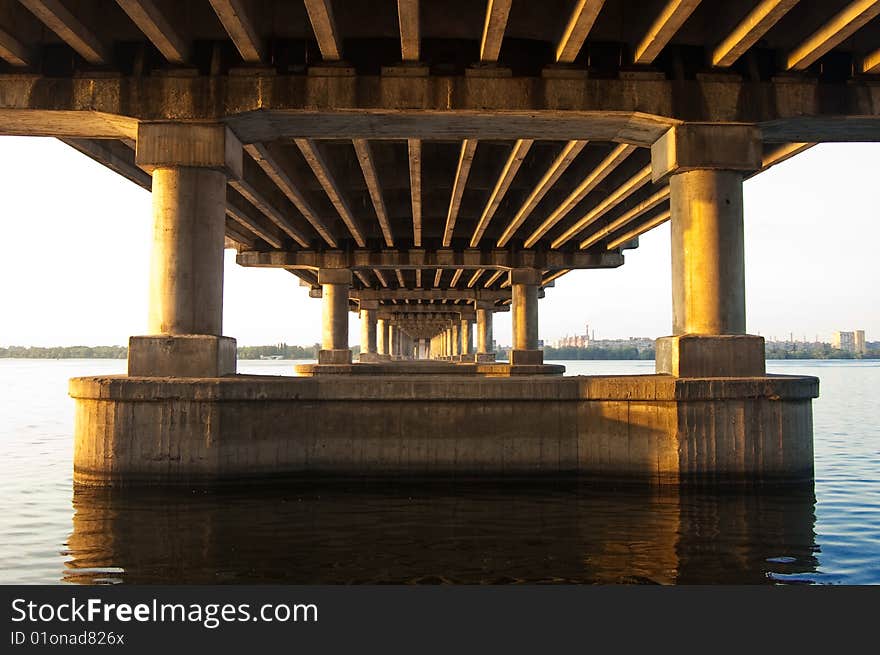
x: 75, y: 267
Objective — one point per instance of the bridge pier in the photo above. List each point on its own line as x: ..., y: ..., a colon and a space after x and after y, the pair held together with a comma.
x: 705, y: 165
x: 525, y: 283
x: 189, y: 164
x: 335, y: 284
x: 485, y: 351
x: 369, y: 326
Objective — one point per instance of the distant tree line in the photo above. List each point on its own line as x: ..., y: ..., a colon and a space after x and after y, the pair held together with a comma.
x: 815, y: 351
x: 593, y: 352
x: 66, y: 352
x: 282, y: 349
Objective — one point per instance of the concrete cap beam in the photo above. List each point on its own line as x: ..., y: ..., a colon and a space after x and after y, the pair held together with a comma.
x: 701, y: 146
x: 197, y: 145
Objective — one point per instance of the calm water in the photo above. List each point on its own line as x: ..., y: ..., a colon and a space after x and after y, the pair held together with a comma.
x: 443, y: 532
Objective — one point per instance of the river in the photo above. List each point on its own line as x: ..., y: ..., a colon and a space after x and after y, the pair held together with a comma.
x: 309, y: 533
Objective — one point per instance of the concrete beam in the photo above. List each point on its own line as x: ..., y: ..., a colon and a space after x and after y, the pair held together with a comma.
x: 324, y: 25
x: 610, y: 201
x: 190, y: 145
x: 493, y: 278
x: 718, y: 147
x: 671, y: 18
x: 319, y: 167
x: 244, y: 213
x: 430, y: 295
x: 157, y: 28
x: 115, y: 155
x: 465, y: 159
x: 871, y: 63
x: 408, y: 18
x: 755, y: 25
x: 54, y: 15
x: 643, y: 207
x: 577, y: 29
x: 414, y: 153
x: 12, y: 51
x: 365, y: 159
x: 440, y: 259
x: 634, y: 233
x: 559, y: 165
x: 840, y: 27
x: 238, y: 23
x: 497, y: 12
x: 511, y: 166
x: 603, y: 170
x: 269, y: 158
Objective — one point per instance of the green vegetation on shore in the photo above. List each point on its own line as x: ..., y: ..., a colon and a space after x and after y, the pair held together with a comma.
x: 285, y: 351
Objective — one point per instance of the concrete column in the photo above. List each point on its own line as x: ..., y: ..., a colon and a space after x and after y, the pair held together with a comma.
x: 369, y: 343
x: 705, y: 165
x: 467, y: 347
x: 335, y: 285
x: 382, y: 336
x: 485, y: 352
x: 190, y: 164
x: 456, y: 339
x: 393, y: 341
x: 525, y: 283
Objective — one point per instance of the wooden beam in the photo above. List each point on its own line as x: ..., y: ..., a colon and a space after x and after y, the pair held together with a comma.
x: 408, y: 17
x: 465, y: 159
x: 571, y: 150
x: 578, y: 28
x: 643, y: 207
x: 475, y: 278
x: 156, y: 27
x: 843, y: 25
x: 414, y: 148
x: 603, y: 170
x: 54, y: 15
x: 659, y: 219
x: 12, y: 51
x: 240, y: 28
x: 671, y: 18
x: 511, y: 166
x: 758, y: 22
x: 324, y: 25
x: 268, y: 161
x: 497, y: 12
x: 319, y: 167
x: 365, y: 159
x: 871, y: 63
x: 617, y: 196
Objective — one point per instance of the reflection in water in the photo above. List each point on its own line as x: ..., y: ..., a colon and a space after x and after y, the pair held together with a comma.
x: 360, y: 533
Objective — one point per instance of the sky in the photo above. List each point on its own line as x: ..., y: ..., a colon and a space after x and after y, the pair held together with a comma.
x: 75, y: 267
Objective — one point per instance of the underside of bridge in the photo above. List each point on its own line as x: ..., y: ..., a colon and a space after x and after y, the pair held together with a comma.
x: 429, y: 164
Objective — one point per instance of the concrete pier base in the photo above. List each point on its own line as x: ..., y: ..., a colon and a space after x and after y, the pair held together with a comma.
x: 697, y: 355
x: 181, y: 355
x: 655, y: 428
x: 334, y: 357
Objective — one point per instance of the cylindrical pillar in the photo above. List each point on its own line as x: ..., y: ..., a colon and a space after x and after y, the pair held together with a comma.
x: 456, y: 339
x: 382, y: 336
x: 335, y: 284
x: 525, y: 316
x: 368, y: 331
x: 708, y: 267
x: 484, y: 330
x: 467, y: 347
x: 186, y: 269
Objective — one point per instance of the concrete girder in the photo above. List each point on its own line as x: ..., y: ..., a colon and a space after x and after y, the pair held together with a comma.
x: 324, y: 25
x: 439, y: 259
x: 240, y: 26
x: 408, y: 19
x: 58, y: 18
x: 576, y: 30
x: 497, y: 12
x: 150, y: 20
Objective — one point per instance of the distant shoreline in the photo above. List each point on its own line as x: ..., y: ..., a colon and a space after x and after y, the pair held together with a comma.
x: 262, y: 353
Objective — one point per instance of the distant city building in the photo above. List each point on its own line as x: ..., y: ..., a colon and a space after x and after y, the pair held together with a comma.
x: 588, y: 340
x: 851, y: 342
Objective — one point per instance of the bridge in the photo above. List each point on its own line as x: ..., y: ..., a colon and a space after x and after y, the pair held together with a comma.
x: 428, y: 164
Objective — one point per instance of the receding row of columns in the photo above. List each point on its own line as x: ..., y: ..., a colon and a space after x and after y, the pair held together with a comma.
x: 190, y: 163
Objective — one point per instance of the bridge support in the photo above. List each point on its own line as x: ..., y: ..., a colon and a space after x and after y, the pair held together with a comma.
x: 189, y: 164
x: 485, y: 351
x: 369, y: 324
x: 525, y: 283
x: 335, y: 284
x: 706, y: 164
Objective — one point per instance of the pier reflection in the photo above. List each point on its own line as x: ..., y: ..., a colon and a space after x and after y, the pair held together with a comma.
x: 454, y: 532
